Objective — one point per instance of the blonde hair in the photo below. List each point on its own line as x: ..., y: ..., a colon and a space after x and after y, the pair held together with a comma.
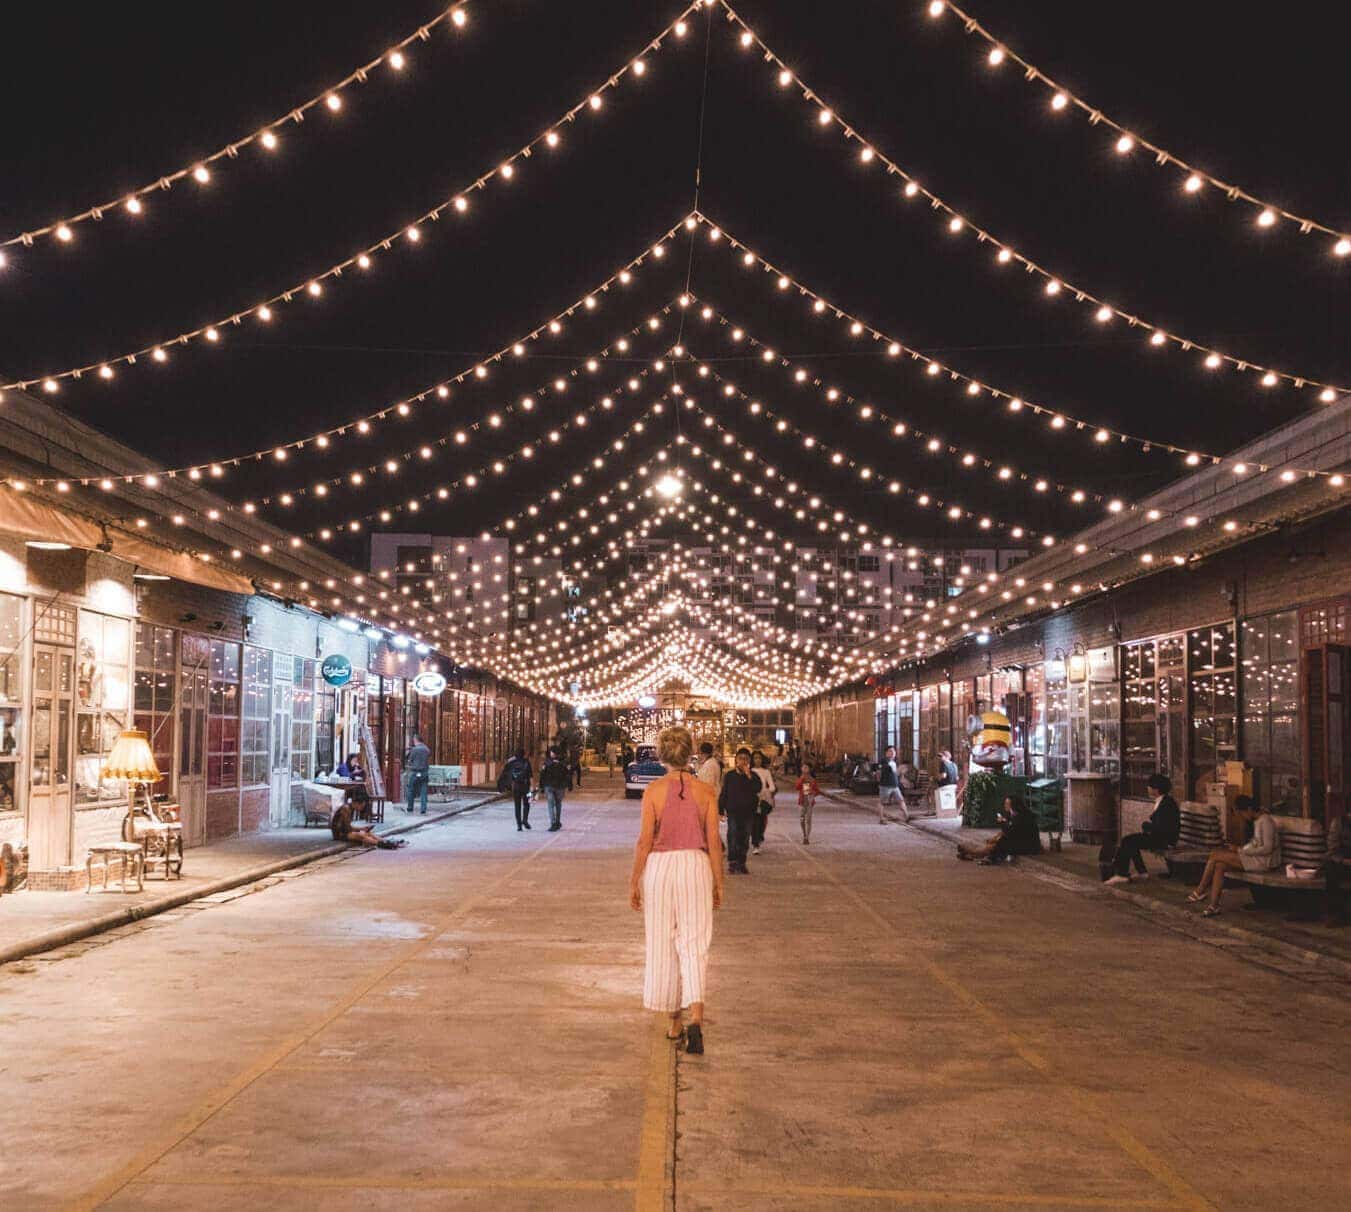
x: 674, y: 747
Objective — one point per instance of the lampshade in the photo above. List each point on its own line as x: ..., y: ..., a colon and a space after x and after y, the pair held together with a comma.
x: 131, y: 758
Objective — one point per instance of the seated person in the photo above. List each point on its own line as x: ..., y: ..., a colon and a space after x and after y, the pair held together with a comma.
x: 909, y: 777
x: 341, y: 824
x: 1018, y: 834
x: 351, y: 768
x: 1262, y: 853
x: 1157, y: 833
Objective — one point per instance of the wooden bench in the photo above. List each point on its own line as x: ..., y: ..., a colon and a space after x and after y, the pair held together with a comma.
x: 1303, y: 844
x: 1198, y: 835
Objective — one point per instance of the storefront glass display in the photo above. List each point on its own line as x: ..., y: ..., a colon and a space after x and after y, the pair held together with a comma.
x: 102, y: 685
x: 156, y: 670
x: 1213, y: 686
x: 1034, y: 680
x: 222, y: 739
x: 302, y: 719
x: 254, y: 749
x: 1104, y: 727
x: 1269, y: 665
x: 1057, y: 726
x: 11, y: 698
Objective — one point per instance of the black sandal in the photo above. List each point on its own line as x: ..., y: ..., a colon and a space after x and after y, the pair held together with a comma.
x: 694, y: 1039
x: 675, y: 1039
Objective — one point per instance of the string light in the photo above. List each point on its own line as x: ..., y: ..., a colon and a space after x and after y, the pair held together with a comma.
x: 1126, y: 140
x: 458, y: 201
x: 265, y: 135
x: 957, y: 222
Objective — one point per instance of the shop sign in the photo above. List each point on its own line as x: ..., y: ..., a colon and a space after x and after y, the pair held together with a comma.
x: 429, y: 684
x: 336, y: 670
x: 1102, y: 664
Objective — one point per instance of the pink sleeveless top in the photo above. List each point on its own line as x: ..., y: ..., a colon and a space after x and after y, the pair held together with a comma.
x: 681, y: 824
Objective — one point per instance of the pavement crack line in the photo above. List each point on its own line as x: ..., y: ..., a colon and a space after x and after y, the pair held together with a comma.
x: 217, y: 1101
x: 1084, y: 1101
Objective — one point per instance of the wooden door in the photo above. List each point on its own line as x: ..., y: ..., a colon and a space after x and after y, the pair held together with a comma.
x: 50, y: 819
x: 192, y: 690
x: 1326, y: 736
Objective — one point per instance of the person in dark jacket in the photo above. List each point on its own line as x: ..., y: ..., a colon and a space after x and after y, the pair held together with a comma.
x: 518, y: 772
x: 737, y: 801
x: 554, y: 780
x: 1018, y: 834
x: 1157, y: 833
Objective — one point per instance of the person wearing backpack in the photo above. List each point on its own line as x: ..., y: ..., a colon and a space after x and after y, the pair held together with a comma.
x: 553, y: 781
x: 516, y: 776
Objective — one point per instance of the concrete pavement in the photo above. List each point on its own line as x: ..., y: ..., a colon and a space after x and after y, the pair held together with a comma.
x: 458, y: 1025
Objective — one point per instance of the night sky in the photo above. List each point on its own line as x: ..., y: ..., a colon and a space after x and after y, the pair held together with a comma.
x: 123, y: 93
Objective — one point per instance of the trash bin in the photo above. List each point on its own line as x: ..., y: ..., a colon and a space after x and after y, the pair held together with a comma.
x: 1092, y: 807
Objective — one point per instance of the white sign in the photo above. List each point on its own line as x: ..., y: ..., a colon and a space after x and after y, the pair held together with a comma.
x: 429, y: 684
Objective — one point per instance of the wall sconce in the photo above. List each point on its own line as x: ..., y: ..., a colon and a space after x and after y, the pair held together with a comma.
x: 1078, y: 664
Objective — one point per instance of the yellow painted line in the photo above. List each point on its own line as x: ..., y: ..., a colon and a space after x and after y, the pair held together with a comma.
x: 1183, y: 1192
x: 924, y: 1198
x: 656, y: 1138
x: 187, y: 1124
x: 393, y: 1182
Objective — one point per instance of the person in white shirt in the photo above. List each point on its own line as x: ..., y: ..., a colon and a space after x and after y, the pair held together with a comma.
x: 1262, y: 853
x: 710, y: 769
x: 768, y: 788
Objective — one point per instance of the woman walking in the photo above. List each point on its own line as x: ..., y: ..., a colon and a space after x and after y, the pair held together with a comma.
x: 677, y: 883
x: 807, y: 791
x: 768, y: 788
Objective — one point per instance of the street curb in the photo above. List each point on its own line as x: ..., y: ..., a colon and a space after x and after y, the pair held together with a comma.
x: 1174, y: 913
x: 76, y: 931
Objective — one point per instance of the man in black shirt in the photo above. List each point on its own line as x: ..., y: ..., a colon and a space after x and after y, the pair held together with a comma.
x: 518, y: 772
x: 737, y: 802
x: 1157, y: 833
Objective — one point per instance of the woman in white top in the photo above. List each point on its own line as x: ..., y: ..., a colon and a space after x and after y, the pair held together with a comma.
x: 1262, y: 853
x: 760, y: 768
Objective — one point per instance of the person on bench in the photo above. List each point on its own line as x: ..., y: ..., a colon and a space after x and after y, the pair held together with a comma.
x: 341, y: 824
x: 1018, y: 834
x: 1157, y: 833
x: 1262, y: 853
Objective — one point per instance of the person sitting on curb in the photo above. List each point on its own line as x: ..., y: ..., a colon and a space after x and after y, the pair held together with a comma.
x: 340, y: 824
x: 1157, y: 833
x: 1262, y: 853
x: 1018, y: 834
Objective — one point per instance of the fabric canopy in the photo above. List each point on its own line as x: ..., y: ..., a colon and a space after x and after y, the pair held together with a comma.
x: 29, y: 519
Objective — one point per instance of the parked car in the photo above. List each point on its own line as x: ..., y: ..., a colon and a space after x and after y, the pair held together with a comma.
x: 641, y: 771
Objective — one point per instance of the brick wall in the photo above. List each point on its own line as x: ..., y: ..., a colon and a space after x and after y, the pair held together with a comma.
x: 222, y: 814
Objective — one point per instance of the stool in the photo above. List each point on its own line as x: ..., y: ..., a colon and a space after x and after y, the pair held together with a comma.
x: 128, y: 852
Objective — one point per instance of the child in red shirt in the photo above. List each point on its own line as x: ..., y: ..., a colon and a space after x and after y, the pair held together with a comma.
x: 807, y: 791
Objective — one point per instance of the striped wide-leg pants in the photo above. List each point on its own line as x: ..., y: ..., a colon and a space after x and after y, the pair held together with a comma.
x: 678, y: 917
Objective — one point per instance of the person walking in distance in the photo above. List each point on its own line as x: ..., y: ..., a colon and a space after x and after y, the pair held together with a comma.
x: 677, y: 883
x: 807, y: 791
x: 889, y: 787
x: 416, y: 771
x: 710, y: 769
x: 553, y: 780
x: 518, y: 773
x: 737, y: 801
x: 765, y: 805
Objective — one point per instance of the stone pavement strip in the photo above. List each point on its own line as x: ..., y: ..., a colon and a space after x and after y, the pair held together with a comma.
x: 33, y: 923
x: 458, y: 1025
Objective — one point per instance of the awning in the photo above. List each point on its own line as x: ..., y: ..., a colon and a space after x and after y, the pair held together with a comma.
x: 29, y: 519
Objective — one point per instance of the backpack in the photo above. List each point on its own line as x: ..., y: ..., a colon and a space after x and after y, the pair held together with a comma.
x: 504, y: 779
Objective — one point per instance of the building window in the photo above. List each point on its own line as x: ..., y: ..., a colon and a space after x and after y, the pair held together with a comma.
x: 257, y: 717
x: 11, y: 698
x: 1104, y: 728
x: 103, y: 697
x: 156, y: 670
x: 1153, y: 714
x: 1213, y: 686
x: 1035, y: 681
x: 1269, y: 661
x: 222, y: 732
x: 1056, y: 727
x: 302, y: 720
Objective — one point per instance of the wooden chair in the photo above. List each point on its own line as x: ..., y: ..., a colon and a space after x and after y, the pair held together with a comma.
x: 159, y: 834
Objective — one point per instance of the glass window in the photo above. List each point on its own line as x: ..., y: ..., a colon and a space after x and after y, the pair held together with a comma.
x: 11, y: 697
x: 1104, y: 727
x: 302, y: 720
x: 1213, y: 689
x: 222, y: 729
x: 1269, y: 668
x: 254, y: 753
x: 156, y: 660
x: 102, y: 700
x: 1057, y: 719
x: 1035, y: 681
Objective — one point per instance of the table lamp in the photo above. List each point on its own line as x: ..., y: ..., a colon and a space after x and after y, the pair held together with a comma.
x: 132, y: 760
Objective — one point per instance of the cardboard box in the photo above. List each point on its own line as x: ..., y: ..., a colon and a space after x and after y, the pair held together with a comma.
x: 1239, y: 776
x: 1221, y: 796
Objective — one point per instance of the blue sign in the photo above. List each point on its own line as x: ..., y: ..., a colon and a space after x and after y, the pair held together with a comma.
x: 336, y: 670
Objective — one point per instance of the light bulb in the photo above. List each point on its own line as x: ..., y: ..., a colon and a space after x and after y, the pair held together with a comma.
x: 1193, y: 184
x: 269, y: 140
x: 1125, y: 145
x: 1059, y: 101
x: 201, y: 174
x: 785, y: 78
x: 1342, y: 247
x: 1103, y: 314
x: 397, y: 61
x: 996, y: 56
x: 824, y: 117
x: 1266, y: 218
x: 459, y: 17
x: 334, y: 102
x: 134, y: 206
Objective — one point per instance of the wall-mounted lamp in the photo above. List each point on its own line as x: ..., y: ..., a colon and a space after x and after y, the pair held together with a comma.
x: 1078, y: 664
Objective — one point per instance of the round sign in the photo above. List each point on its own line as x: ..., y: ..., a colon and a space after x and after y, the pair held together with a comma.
x: 429, y: 684
x: 336, y: 670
